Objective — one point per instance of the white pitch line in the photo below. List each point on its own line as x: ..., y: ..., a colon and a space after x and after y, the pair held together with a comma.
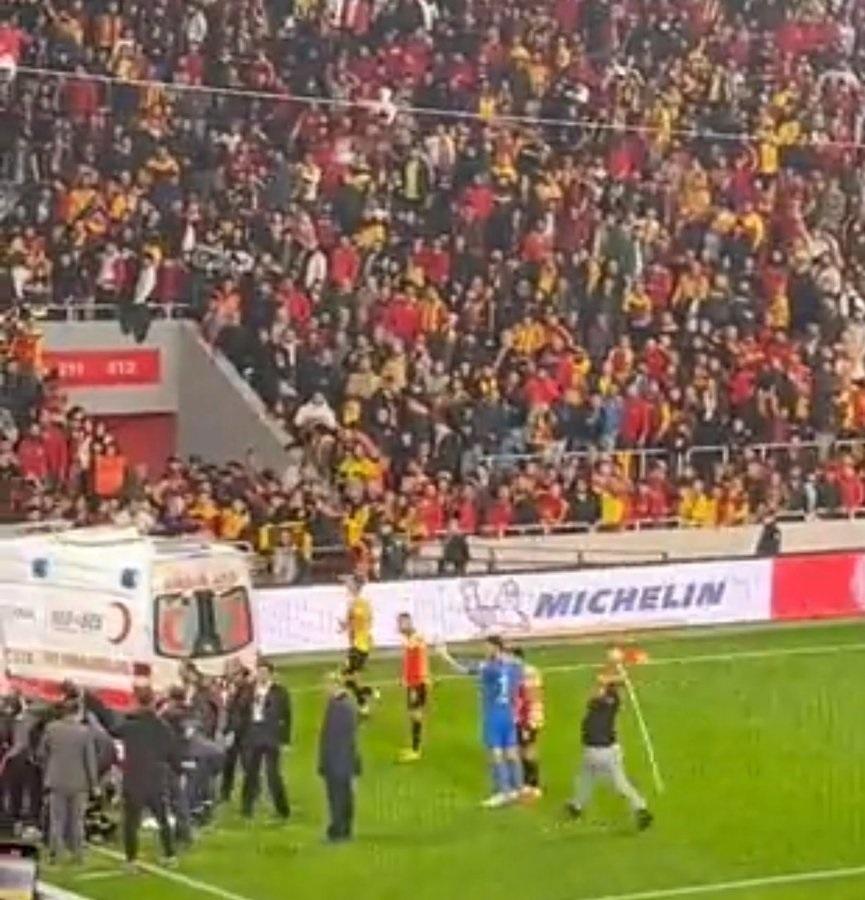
x: 721, y: 887
x: 50, y: 892
x: 171, y: 875
x: 99, y: 875
x: 733, y: 656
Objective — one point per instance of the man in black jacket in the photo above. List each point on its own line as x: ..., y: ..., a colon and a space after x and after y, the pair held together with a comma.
x: 237, y: 701
x: 339, y: 761
x: 267, y: 729
x: 150, y: 753
x: 455, y: 551
x: 769, y: 541
x: 179, y: 718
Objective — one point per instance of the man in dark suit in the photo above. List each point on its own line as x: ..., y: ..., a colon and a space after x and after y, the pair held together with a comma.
x: 239, y: 691
x: 150, y: 753
x: 339, y: 761
x: 267, y: 729
x: 68, y: 754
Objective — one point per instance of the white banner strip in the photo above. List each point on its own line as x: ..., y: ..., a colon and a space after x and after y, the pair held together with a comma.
x: 534, y: 604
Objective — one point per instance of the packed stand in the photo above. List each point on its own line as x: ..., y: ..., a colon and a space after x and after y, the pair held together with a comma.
x: 56, y: 462
x: 501, y: 231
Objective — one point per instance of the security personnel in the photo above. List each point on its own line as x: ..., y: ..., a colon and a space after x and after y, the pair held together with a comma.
x: 240, y: 689
x: 150, y: 754
x: 267, y: 730
x: 602, y: 755
x: 339, y: 761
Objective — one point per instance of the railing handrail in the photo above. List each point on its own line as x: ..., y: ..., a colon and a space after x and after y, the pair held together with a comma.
x: 82, y: 311
x: 643, y: 454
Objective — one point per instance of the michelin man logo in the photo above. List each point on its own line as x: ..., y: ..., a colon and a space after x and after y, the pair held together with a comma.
x: 857, y: 583
x: 494, y: 607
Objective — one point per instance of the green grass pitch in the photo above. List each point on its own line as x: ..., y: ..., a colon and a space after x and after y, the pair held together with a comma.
x: 760, y: 736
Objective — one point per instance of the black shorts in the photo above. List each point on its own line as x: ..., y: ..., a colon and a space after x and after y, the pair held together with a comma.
x: 355, y: 661
x: 416, y: 697
x: 527, y: 736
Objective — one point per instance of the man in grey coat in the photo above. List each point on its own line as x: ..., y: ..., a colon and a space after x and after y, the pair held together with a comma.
x: 68, y: 754
x: 339, y: 761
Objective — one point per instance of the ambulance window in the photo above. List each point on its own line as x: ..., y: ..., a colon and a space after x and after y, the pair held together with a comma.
x: 177, y: 625
x: 232, y: 619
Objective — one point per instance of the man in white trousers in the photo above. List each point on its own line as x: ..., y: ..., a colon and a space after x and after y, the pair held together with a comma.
x: 602, y: 755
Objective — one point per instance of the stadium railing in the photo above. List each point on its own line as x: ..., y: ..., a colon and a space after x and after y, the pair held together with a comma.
x: 638, y: 460
x: 104, y: 312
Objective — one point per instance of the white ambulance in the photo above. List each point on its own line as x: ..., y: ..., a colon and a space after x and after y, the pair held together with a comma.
x: 106, y: 608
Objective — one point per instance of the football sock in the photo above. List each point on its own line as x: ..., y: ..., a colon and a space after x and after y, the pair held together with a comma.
x: 515, y: 774
x: 500, y: 777
x: 416, y: 730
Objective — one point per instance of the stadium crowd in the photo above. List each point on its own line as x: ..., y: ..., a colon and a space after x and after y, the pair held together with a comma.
x: 433, y: 233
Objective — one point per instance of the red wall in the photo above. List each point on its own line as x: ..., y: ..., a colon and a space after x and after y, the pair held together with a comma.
x: 149, y: 438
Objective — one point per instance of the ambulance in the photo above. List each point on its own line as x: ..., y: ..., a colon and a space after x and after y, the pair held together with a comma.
x: 108, y: 608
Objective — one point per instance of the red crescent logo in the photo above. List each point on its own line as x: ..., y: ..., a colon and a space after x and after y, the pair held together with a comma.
x: 126, y: 623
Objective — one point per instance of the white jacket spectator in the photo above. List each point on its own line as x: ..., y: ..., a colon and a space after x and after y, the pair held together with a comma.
x: 196, y: 26
x: 316, y: 413
x: 315, y: 269
x: 145, y: 284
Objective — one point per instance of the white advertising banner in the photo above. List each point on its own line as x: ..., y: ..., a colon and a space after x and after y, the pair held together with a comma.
x: 532, y: 604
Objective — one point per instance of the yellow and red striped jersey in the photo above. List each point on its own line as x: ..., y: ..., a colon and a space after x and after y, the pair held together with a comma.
x: 530, y: 700
x: 415, y: 661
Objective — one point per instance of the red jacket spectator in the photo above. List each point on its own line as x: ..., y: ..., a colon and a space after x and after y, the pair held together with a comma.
x: 851, y: 489
x: 81, y: 99
x: 742, y: 387
x: 477, y: 202
x: 537, y: 246
x: 541, y: 389
x: 552, y: 506
x: 12, y: 42
x: 636, y: 420
x: 32, y: 455
x: 435, y: 262
x: 659, y: 285
x: 356, y: 16
x: 402, y: 318
x: 625, y: 158
x: 466, y: 513
x: 56, y: 445
x: 500, y: 514
x: 344, y: 265
x: 171, y: 282
x: 431, y: 513
x: 296, y: 303
x: 191, y: 66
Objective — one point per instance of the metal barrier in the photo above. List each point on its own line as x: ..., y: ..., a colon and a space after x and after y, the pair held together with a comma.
x: 107, y: 312
x: 638, y: 460
x: 331, y: 562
